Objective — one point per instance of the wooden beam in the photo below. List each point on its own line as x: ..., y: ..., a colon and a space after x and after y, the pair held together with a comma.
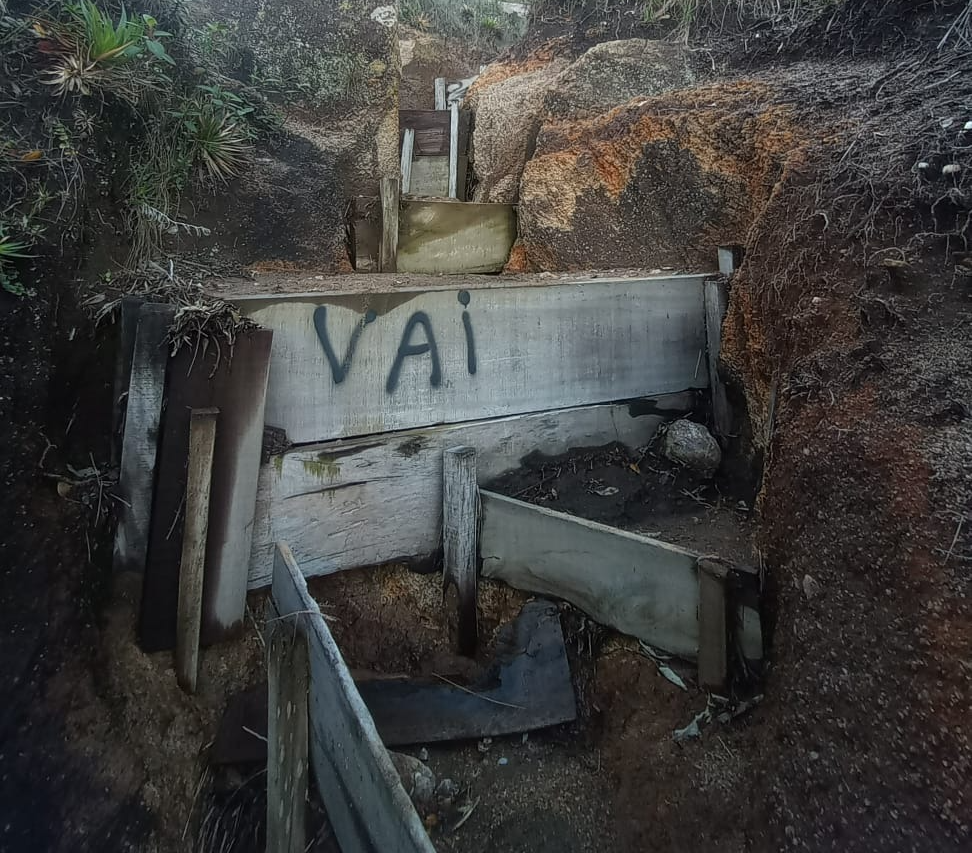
x: 136, y: 477
x: 366, y: 804
x: 430, y: 178
x: 432, y: 130
x: 390, y: 201
x: 367, y: 501
x: 713, y: 632
x: 127, y: 327
x: 202, y: 438
x: 288, y: 677
x: 729, y: 259
x: 236, y: 386
x: 408, y: 144
x: 440, y: 93
x: 454, y: 151
x: 716, y: 303
x: 640, y: 586
x: 359, y: 364
x: 460, y: 533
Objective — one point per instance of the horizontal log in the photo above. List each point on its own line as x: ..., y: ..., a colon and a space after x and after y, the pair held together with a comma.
x: 432, y: 131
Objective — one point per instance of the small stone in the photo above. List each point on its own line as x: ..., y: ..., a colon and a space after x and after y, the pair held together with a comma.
x: 423, y: 754
x: 690, y: 444
x: 811, y: 588
x: 417, y: 779
x: 503, y: 762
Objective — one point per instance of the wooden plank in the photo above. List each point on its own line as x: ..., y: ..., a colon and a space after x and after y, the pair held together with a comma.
x: 430, y: 177
x: 454, y: 154
x: 432, y: 130
x: 716, y: 303
x: 390, y: 202
x: 374, y: 500
x: 460, y: 531
x: 236, y: 386
x: 127, y: 327
x: 202, y: 437
x: 454, y: 238
x: 713, y: 632
x: 136, y: 475
x: 730, y: 257
x: 408, y: 145
x: 440, y: 93
x: 640, y: 586
x: 288, y: 682
x: 368, y: 808
x: 359, y: 364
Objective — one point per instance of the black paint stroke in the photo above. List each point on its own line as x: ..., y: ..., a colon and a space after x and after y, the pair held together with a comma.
x: 406, y: 349
x: 339, y: 369
x: 470, y: 343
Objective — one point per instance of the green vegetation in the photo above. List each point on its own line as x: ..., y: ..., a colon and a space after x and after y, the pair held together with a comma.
x: 484, y: 22
x: 94, y: 95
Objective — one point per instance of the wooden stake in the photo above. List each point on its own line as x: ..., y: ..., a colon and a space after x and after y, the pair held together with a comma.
x: 716, y: 303
x: 408, y: 146
x: 288, y: 676
x: 202, y: 437
x: 713, y: 662
x: 390, y: 199
x: 440, y: 93
x: 460, y: 534
x: 454, y: 151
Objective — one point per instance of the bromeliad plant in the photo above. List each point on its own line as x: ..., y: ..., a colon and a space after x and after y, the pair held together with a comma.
x: 11, y: 250
x: 92, y: 53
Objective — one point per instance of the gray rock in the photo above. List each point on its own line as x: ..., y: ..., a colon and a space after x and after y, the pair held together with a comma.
x: 690, y: 444
x: 417, y: 779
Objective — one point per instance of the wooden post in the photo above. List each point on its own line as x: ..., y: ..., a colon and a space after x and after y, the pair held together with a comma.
x: 408, y: 146
x: 713, y: 661
x: 136, y: 477
x: 390, y: 198
x: 729, y: 259
x: 202, y: 437
x: 288, y: 678
x: 716, y: 303
x: 440, y: 93
x: 460, y: 534
x: 454, y: 151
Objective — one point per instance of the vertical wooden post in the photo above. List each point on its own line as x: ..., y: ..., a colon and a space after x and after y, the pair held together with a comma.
x: 390, y: 198
x: 440, y: 93
x: 729, y: 259
x: 288, y: 679
x: 454, y: 151
x: 202, y: 437
x: 408, y: 147
x: 136, y: 476
x: 713, y: 644
x: 460, y: 534
x: 716, y: 303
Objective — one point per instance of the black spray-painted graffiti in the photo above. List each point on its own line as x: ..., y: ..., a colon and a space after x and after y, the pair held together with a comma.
x: 406, y: 347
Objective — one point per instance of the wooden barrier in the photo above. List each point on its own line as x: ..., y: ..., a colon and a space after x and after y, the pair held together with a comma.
x: 368, y: 808
x: 362, y: 502
x: 455, y: 237
x: 432, y: 130
x: 360, y: 364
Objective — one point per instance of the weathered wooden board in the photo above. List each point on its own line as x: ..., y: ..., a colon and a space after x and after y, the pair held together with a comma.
x: 373, y: 500
x: 236, y: 386
x: 359, y: 364
x: 365, y: 801
x: 432, y: 130
x: 455, y: 237
x: 127, y: 327
x: 640, y: 586
x: 430, y: 177
x: 716, y: 303
x: 390, y: 204
x: 143, y: 413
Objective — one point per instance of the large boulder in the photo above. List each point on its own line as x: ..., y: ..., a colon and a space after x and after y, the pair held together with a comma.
x: 508, y: 100
x: 658, y: 182
x: 614, y: 72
